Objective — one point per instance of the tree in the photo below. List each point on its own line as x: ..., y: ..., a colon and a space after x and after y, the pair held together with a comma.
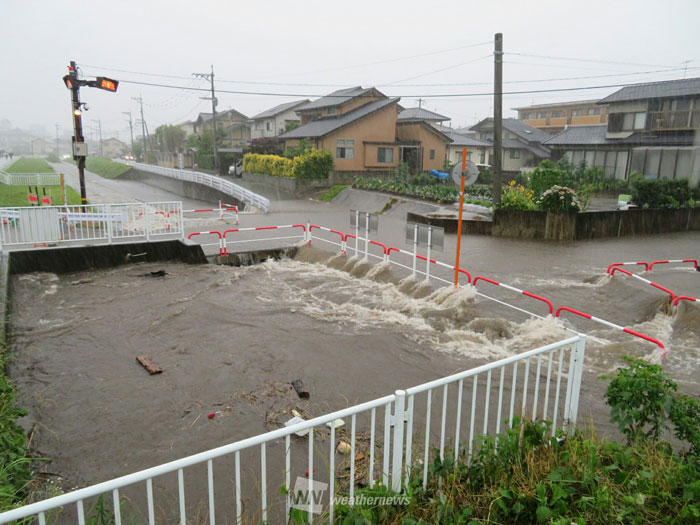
x: 290, y: 125
x: 267, y: 146
x: 170, y: 138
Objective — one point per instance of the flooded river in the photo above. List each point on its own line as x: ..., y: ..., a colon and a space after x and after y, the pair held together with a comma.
x: 352, y: 331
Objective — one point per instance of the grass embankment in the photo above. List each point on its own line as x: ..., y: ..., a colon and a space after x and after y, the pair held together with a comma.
x: 532, y: 478
x: 105, y: 168
x: 13, y: 196
x: 329, y: 195
x: 29, y: 165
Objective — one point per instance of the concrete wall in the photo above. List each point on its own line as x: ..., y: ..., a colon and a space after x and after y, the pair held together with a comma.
x: 518, y: 224
x: 191, y: 190
x: 67, y: 259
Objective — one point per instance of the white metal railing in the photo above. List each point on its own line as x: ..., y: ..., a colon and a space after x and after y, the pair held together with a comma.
x: 95, y: 222
x: 546, y: 386
x: 227, y: 187
x: 30, y: 179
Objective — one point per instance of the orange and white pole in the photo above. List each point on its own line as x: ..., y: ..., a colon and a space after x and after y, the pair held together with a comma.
x: 459, y: 222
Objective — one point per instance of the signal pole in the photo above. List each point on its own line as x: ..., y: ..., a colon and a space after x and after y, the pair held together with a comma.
x: 497, y: 117
x: 58, y: 150
x: 214, y: 102
x: 77, y: 129
x: 73, y: 83
x: 99, y: 127
x: 131, y: 129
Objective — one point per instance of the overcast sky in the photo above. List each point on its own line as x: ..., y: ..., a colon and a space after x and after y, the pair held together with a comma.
x: 278, y: 46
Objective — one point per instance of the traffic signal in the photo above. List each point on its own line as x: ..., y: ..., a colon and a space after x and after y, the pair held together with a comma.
x: 68, y: 81
x: 107, y: 84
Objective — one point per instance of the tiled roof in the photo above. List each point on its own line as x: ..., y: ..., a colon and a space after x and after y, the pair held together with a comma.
x: 459, y: 139
x: 519, y: 128
x: 421, y: 114
x: 596, y: 135
x: 278, y: 109
x: 324, y: 126
x: 336, y: 98
x: 667, y: 89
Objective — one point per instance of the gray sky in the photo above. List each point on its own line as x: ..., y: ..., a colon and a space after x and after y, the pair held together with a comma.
x: 332, y: 43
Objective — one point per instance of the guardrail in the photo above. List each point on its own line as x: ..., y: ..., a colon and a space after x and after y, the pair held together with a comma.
x: 390, y: 458
x: 650, y: 266
x: 227, y: 187
x: 29, y: 179
x: 646, y: 281
x: 109, y: 223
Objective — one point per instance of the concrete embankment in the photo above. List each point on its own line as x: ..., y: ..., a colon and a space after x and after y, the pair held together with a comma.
x: 191, y: 190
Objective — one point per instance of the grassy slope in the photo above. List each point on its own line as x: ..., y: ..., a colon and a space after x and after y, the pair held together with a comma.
x: 17, y: 195
x: 28, y: 165
x: 329, y: 195
x: 105, y: 168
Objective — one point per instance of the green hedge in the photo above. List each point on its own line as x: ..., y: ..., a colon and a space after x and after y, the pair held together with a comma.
x: 311, y: 165
x: 662, y: 193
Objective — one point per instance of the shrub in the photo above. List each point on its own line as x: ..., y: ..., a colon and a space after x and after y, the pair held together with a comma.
x: 267, y: 165
x: 546, y: 175
x: 423, y: 179
x: 302, y: 148
x: 313, y: 164
x: 559, y: 199
x: 516, y: 197
x: 662, y: 193
x: 685, y: 416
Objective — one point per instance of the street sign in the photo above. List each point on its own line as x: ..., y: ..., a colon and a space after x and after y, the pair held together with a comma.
x: 436, y: 234
x: 373, y: 220
x: 471, y: 173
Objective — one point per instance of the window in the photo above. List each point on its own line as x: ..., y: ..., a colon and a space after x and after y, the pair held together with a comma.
x: 268, y: 127
x: 515, y: 154
x: 482, y: 158
x: 594, y: 111
x: 345, y: 149
x: 556, y: 114
x: 385, y: 155
x: 542, y: 114
x: 576, y: 112
x: 634, y: 121
x: 432, y: 154
x: 332, y: 111
x: 526, y: 116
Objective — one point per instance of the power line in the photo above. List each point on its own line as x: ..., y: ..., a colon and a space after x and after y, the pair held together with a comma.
x: 590, y: 60
x: 442, y: 95
x: 440, y: 70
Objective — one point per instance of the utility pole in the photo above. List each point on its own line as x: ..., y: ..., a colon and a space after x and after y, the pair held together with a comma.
x: 131, y: 129
x: 58, y: 149
x: 139, y: 99
x: 214, y: 102
x: 99, y: 127
x: 497, y: 117
x: 420, y: 103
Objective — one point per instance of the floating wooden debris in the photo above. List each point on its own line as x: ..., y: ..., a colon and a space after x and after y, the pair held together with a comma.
x: 301, y: 390
x: 151, y: 367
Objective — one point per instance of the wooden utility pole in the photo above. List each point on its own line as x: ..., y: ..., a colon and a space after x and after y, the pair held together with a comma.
x: 131, y: 130
x: 214, y: 102
x: 497, y: 117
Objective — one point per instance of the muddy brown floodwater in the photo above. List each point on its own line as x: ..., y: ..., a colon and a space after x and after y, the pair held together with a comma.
x: 231, y: 339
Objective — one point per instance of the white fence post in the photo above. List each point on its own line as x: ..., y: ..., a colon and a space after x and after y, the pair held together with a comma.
x: 577, y: 359
x: 146, y: 227
x: 108, y: 212
x: 397, y: 445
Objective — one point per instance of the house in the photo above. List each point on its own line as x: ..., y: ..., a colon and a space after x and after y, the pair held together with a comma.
x: 651, y: 129
x: 478, y: 151
x: 43, y: 147
x: 554, y: 118
x: 234, y: 127
x: 522, y: 144
x: 113, y: 147
x: 422, y: 115
x: 360, y: 127
x: 188, y: 127
x: 274, y: 121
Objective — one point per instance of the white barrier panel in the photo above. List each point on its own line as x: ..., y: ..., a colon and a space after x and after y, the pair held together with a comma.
x: 227, y: 187
x: 30, y: 179
x: 544, y: 382
x: 95, y: 222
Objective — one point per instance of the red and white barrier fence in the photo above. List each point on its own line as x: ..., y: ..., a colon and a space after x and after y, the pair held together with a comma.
x: 684, y: 298
x: 307, y: 237
x: 647, y: 281
x: 612, y: 325
x: 517, y: 290
x: 650, y: 266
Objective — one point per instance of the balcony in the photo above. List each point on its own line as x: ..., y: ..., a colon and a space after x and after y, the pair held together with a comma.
x: 674, y: 120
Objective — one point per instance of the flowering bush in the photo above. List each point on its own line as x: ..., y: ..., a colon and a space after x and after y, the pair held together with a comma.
x: 313, y: 164
x: 560, y: 199
x: 517, y: 197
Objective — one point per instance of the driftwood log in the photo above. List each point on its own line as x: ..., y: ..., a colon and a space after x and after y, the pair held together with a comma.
x: 301, y: 390
x: 150, y: 366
